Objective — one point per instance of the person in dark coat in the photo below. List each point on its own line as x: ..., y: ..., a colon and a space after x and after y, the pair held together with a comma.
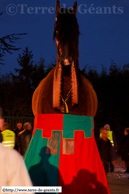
x: 105, y: 149
x: 17, y: 130
x: 1, y: 124
x: 24, y: 138
x: 1, y: 138
x: 125, y: 149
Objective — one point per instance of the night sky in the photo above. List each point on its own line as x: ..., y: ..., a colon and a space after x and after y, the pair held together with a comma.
x: 104, y: 28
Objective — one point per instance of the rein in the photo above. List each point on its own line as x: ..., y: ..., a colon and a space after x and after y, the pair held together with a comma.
x: 64, y: 106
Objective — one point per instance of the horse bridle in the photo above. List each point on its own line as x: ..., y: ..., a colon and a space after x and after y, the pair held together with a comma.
x: 65, y: 61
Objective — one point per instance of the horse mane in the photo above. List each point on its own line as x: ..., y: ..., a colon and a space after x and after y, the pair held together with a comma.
x: 66, y: 29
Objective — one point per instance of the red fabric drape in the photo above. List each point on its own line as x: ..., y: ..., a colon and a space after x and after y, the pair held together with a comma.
x: 81, y: 172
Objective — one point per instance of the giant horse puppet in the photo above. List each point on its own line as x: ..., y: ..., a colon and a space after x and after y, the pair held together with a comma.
x: 63, y: 150
x: 65, y: 82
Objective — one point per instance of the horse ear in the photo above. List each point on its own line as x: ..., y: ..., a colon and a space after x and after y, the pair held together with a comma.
x: 75, y: 7
x: 57, y: 7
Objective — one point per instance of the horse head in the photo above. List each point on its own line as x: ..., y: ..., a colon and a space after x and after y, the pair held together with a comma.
x: 66, y: 33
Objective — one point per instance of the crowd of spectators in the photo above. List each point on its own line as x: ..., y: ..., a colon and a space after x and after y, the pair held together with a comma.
x: 107, y: 147
x: 18, y: 138
x: 13, y: 171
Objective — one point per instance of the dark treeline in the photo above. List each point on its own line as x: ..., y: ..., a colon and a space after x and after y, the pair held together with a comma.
x: 112, y: 89
x: 16, y: 90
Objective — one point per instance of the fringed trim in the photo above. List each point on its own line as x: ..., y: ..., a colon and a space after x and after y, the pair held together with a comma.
x: 57, y: 87
x: 74, y: 84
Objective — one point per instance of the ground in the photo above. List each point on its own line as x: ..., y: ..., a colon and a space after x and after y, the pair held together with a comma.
x: 118, y: 180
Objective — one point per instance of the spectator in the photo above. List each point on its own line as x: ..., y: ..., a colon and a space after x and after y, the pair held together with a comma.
x: 1, y: 124
x: 1, y: 120
x: 112, y: 138
x: 105, y: 148
x: 17, y: 130
x: 13, y: 171
x: 8, y: 136
x: 125, y: 149
x: 1, y: 138
x: 24, y: 138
